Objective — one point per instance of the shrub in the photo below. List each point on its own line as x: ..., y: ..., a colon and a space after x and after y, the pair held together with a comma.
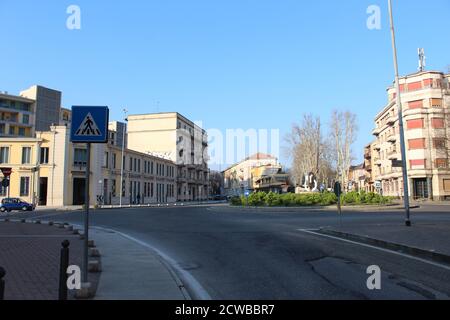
x: 309, y: 199
x: 236, y: 201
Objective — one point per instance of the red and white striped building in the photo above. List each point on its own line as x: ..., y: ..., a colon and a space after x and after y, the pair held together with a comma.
x: 426, y: 105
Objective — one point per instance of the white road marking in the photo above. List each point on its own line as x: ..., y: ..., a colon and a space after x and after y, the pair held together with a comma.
x: 376, y: 248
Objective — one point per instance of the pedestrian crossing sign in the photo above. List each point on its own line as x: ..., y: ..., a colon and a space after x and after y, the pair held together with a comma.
x: 89, y: 124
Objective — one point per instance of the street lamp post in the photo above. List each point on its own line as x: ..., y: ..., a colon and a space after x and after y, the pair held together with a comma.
x: 400, y: 120
x: 122, y: 161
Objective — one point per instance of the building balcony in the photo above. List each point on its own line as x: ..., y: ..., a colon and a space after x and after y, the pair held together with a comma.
x: 378, y: 162
x: 393, y: 155
x: 392, y: 138
x: 367, y: 155
x: 376, y: 131
x: 391, y: 120
x: 377, y: 146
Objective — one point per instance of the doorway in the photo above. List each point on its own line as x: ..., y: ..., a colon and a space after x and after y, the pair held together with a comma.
x: 79, y: 187
x: 421, y: 188
x: 43, y: 188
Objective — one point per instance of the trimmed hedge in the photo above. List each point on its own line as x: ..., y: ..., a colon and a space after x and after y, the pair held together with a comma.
x: 260, y: 199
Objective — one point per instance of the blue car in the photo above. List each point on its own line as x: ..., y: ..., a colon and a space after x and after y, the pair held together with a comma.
x: 15, y: 204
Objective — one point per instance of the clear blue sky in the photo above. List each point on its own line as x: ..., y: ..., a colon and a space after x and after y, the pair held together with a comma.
x: 231, y: 63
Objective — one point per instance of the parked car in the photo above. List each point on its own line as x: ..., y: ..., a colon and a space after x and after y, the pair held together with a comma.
x: 15, y: 204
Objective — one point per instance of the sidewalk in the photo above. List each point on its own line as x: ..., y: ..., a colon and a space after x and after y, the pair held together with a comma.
x: 428, y: 240
x: 30, y: 254
x: 133, y: 272
x: 152, y: 205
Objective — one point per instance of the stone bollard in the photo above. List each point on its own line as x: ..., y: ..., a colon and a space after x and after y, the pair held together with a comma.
x: 2, y: 283
x: 94, y: 253
x: 94, y: 266
x: 64, y: 264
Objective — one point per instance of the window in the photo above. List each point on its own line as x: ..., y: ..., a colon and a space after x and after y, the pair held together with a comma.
x: 439, y: 143
x: 114, y: 160
x: 414, y: 86
x: 2, y: 128
x: 24, y: 186
x: 26, y: 119
x: 417, y: 164
x: 44, y: 153
x: 113, y: 187
x: 131, y: 164
x: 416, y: 144
x: 446, y: 184
x: 437, y: 123
x: 436, y: 103
x: 106, y: 160
x: 26, y: 155
x: 3, y: 191
x: 4, y: 155
x: 415, y: 104
x: 12, y: 130
x: 80, y: 157
x: 415, y: 124
x: 441, y: 163
x: 22, y: 132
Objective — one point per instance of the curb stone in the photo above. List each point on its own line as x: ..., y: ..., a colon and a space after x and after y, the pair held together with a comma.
x: 413, y: 251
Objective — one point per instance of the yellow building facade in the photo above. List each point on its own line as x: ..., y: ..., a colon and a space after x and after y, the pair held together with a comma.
x: 49, y: 170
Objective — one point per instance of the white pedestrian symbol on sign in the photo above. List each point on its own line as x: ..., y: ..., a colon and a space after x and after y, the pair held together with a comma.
x: 88, y: 127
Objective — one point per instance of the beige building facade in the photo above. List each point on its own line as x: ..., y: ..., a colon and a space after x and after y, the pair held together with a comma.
x: 239, y: 178
x: 426, y: 102
x: 49, y: 170
x: 173, y: 136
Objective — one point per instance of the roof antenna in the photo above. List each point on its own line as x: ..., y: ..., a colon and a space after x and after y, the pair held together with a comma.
x: 422, y: 59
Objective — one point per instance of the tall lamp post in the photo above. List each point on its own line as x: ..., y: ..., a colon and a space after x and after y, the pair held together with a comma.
x: 400, y: 120
x: 122, y: 161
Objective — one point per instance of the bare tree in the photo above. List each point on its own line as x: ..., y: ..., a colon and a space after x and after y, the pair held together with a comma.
x: 343, y: 129
x: 308, y: 150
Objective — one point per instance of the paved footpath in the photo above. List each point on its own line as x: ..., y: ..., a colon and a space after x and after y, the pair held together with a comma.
x: 429, y: 236
x: 132, y: 271
x: 30, y: 254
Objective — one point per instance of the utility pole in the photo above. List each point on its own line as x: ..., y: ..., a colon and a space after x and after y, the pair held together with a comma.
x: 400, y: 120
x: 122, y: 161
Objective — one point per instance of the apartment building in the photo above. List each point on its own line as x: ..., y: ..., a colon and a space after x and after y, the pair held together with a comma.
x: 173, y: 136
x: 239, y: 177
x: 371, y: 170
x: 425, y: 101
x: 47, y: 106
x: 17, y: 116
x: 49, y: 170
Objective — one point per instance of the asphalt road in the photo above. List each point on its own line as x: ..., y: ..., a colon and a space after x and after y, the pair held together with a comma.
x: 238, y: 254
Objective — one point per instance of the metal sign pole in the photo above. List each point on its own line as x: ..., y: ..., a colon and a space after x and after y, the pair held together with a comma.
x: 86, y: 216
x: 400, y: 121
